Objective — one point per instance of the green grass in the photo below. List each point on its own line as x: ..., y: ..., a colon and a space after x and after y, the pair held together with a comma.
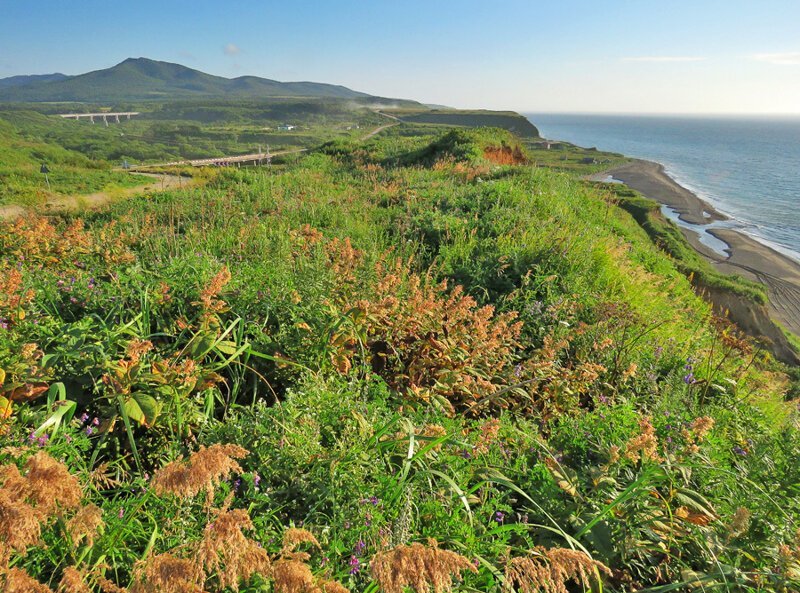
x: 71, y: 173
x: 309, y: 313
x: 668, y: 236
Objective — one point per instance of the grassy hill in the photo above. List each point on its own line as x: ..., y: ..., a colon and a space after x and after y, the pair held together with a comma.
x: 508, y: 120
x: 417, y: 359
x: 15, y: 81
x: 138, y: 79
x: 22, y: 153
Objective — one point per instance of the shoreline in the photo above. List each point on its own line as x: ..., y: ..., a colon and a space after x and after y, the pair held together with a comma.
x: 746, y: 256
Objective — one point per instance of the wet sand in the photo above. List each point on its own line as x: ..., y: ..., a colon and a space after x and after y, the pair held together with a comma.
x: 746, y: 256
x: 650, y: 179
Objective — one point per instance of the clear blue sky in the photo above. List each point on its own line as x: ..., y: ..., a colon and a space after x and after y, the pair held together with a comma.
x: 668, y: 56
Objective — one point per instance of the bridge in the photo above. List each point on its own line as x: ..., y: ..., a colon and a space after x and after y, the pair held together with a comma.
x: 256, y: 158
x: 104, y: 116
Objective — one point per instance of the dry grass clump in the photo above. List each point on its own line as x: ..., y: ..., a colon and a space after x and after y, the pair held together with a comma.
x: 50, y: 485
x: 29, y: 500
x: 209, y: 303
x: 293, y: 537
x: 203, y: 470
x: 291, y: 573
x: 85, y: 524
x: 16, y: 580
x: 427, y: 340
x: 165, y: 573
x: 228, y: 553
x: 420, y: 567
x: 549, y: 570
x: 292, y: 576
x: 72, y: 581
x: 644, y: 446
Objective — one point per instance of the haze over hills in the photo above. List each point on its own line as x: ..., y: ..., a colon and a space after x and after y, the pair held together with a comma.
x: 16, y: 81
x: 138, y: 79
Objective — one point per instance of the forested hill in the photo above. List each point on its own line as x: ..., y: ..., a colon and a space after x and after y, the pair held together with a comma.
x: 143, y: 79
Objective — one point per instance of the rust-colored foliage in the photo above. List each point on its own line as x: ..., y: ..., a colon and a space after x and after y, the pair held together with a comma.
x: 422, y: 568
x: 16, y: 580
x: 166, y: 573
x: 203, y: 470
x: 427, y: 341
x: 227, y: 553
x: 36, y: 240
x: 504, y: 155
x: 549, y: 571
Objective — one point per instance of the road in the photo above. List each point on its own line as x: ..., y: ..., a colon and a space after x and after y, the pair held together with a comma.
x: 256, y: 157
x: 164, y: 182
x: 97, y: 199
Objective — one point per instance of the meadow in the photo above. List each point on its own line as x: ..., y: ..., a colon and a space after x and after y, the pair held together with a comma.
x: 413, y: 363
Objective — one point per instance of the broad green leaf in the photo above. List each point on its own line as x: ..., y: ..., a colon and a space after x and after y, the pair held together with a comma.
x: 141, y: 408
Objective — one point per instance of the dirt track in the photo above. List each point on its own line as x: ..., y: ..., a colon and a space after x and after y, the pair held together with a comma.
x: 90, y: 201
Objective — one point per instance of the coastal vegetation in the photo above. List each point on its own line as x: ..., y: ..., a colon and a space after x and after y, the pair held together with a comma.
x: 416, y: 362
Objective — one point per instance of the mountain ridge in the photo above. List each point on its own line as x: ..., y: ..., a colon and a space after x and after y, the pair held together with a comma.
x: 147, y: 79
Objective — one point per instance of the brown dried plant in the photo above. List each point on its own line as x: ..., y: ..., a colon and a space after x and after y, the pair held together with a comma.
x: 16, y: 580
x: 489, y: 431
x: 644, y: 446
x: 290, y: 571
x: 227, y: 553
x: 85, y: 524
x: 45, y: 244
x: 548, y: 570
x: 210, y: 305
x: 29, y: 500
x: 165, y: 573
x: 292, y: 576
x: 203, y: 470
x: 13, y: 294
x: 430, y: 342
x: 72, y: 581
x: 423, y: 568
x: 293, y: 537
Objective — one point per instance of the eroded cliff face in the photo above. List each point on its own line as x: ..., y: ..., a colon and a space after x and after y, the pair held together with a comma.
x: 752, y: 318
x: 508, y: 120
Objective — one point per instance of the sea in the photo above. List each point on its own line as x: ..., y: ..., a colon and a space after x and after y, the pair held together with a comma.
x: 747, y: 167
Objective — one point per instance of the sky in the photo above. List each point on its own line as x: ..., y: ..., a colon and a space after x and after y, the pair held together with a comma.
x: 592, y: 56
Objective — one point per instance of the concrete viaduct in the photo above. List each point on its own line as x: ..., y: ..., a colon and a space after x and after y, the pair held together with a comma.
x: 105, y: 116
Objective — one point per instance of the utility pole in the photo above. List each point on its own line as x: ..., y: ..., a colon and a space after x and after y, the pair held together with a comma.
x: 45, y: 170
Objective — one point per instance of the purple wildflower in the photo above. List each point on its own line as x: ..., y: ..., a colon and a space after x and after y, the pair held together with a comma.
x: 89, y: 431
x: 739, y: 451
x: 499, y: 516
x: 355, y: 565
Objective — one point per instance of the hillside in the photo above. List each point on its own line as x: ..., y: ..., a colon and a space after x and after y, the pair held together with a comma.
x: 416, y: 359
x: 143, y: 79
x: 508, y: 120
x: 16, y: 81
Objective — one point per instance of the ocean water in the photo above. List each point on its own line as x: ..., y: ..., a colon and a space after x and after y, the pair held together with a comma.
x: 746, y: 167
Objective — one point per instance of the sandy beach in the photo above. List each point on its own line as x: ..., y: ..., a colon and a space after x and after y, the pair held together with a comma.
x: 746, y: 256
x: 650, y: 179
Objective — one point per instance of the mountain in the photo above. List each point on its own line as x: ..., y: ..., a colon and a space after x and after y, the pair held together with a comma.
x: 15, y: 81
x: 138, y: 79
